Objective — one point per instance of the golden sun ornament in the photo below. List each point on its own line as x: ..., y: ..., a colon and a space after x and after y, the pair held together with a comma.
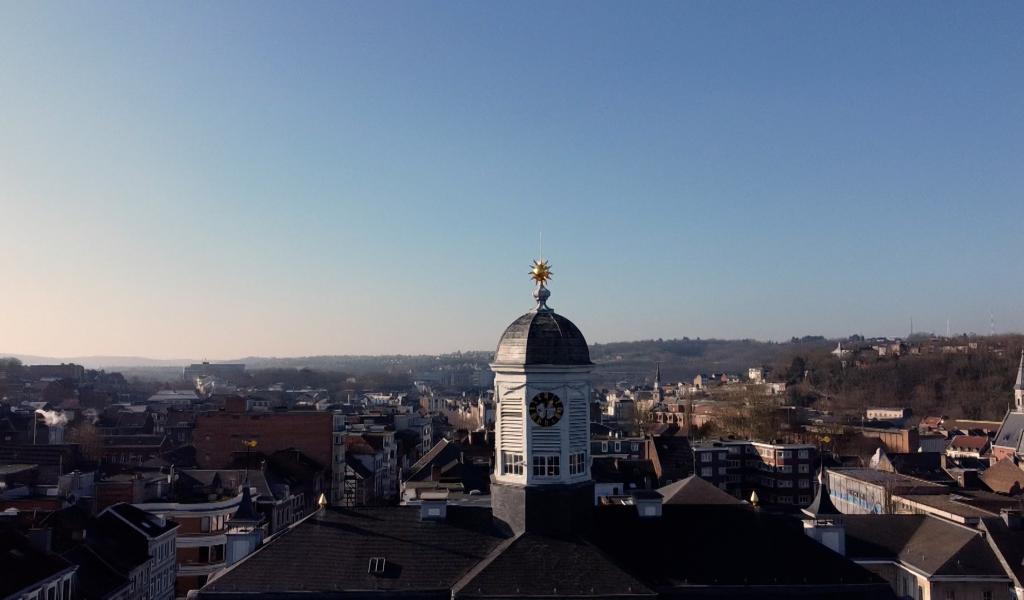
x: 540, y: 272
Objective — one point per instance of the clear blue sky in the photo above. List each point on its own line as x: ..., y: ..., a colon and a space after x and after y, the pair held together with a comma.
x: 244, y: 178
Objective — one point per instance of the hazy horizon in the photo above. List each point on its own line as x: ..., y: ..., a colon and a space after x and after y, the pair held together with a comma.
x: 260, y: 180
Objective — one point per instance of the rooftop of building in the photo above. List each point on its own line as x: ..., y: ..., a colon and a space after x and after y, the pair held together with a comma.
x: 934, y: 546
x: 466, y: 553
x: 23, y: 565
x: 885, y: 477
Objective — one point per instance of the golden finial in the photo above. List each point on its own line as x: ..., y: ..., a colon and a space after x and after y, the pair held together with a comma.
x: 540, y: 271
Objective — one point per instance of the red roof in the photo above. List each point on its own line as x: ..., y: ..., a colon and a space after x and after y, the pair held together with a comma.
x: 969, y: 442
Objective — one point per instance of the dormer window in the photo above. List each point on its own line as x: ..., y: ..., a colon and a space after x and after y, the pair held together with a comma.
x: 376, y: 566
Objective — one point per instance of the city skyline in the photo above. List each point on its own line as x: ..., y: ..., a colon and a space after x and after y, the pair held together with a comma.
x: 197, y: 181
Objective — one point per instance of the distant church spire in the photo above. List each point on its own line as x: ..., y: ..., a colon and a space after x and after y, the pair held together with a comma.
x: 1018, y: 388
x: 659, y: 394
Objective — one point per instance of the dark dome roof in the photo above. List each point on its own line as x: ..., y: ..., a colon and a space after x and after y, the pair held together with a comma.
x: 542, y: 337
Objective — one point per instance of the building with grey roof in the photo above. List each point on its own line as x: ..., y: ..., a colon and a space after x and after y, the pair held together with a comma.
x: 542, y: 536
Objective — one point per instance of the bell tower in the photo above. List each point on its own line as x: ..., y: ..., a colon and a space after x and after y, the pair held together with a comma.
x: 542, y: 370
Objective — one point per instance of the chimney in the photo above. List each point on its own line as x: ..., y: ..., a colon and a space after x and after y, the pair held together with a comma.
x: 1011, y: 517
x: 648, y: 503
x: 434, y: 506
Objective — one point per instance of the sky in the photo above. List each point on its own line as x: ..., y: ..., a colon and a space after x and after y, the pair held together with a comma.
x: 236, y: 179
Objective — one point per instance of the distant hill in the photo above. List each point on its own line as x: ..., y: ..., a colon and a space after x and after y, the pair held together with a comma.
x: 633, y: 362
x: 99, y: 362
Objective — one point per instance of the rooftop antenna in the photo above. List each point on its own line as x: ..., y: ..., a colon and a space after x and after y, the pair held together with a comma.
x: 991, y: 323
x: 947, y: 327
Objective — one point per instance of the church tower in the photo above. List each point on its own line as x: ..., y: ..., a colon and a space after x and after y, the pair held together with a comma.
x: 1018, y: 388
x: 659, y: 394
x: 542, y: 370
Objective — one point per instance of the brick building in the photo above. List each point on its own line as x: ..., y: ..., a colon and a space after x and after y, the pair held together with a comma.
x: 219, y: 436
x: 781, y: 474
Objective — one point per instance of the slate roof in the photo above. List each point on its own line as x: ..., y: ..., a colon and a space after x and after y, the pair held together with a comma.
x: 693, y: 551
x: 22, y: 565
x: 694, y: 490
x: 923, y: 465
x: 145, y: 522
x: 94, y: 579
x: 425, y: 557
x: 1008, y: 546
x: 1009, y: 434
x: 930, y: 544
x: 120, y: 544
x: 727, y: 550
x: 538, y: 565
x: 542, y: 337
x: 454, y: 464
x: 822, y: 505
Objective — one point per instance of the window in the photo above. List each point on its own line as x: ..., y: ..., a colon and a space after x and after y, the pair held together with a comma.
x: 706, y: 472
x: 804, y: 468
x: 577, y: 463
x: 804, y: 483
x: 950, y: 595
x: 545, y: 465
x: 604, y: 446
x: 783, y: 483
x: 721, y: 456
x: 986, y: 595
x: 511, y: 463
x: 805, y: 500
x: 786, y: 468
x: 635, y: 447
x: 204, y: 524
x: 803, y: 454
x: 618, y: 446
x: 721, y: 470
x: 705, y: 457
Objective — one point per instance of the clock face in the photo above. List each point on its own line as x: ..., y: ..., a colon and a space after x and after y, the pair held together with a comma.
x: 546, y: 409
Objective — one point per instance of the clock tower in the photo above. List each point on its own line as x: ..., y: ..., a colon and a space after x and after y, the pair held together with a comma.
x: 542, y: 370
